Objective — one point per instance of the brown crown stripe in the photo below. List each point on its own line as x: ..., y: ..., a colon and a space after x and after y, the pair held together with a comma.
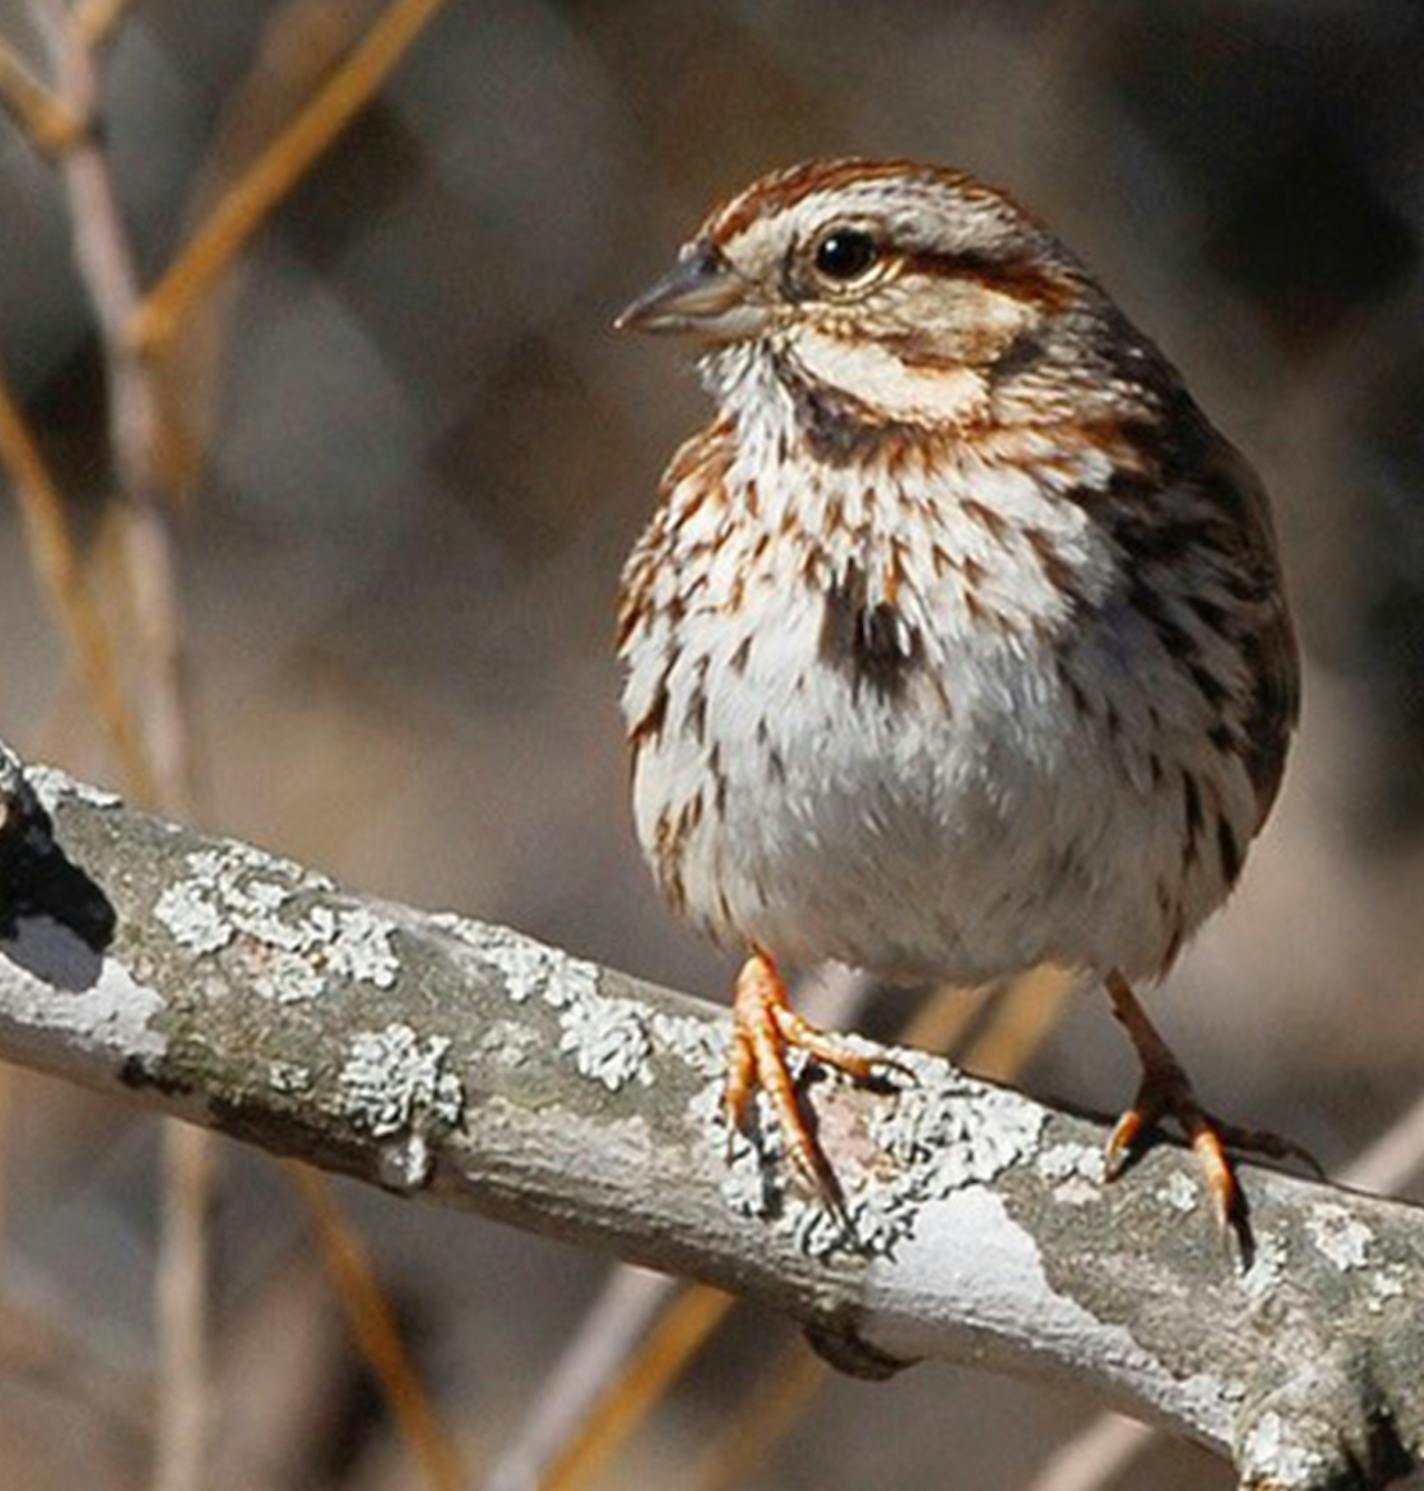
x: 782, y: 189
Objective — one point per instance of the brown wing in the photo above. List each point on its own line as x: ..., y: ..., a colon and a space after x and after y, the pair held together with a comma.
x: 1267, y: 636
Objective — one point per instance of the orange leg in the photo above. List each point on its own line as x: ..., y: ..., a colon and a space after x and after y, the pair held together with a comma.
x: 1166, y: 1092
x: 764, y: 1026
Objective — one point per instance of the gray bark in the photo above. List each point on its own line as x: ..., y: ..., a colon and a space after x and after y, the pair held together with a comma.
x: 460, y: 1062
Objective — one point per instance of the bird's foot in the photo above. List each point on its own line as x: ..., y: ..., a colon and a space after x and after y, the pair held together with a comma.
x: 1166, y: 1092
x: 764, y: 1029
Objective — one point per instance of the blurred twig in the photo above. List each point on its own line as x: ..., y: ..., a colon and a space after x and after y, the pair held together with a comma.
x: 181, y: 1291
x: 243, y: 209
x: 779, y: 1399
x: 106, y: 262
x: 676, y: 1338
x: 117, y: 1394
x: 1392, y: 1159
x: 301, y: 45
x: 104, y: 254
x: 1096, y: 1456
x: 607, y: 1337
x: 1022, y: 1021
x: 375, y: 1329
x: 96, y: 21
x: 56, y: 563
x: 42, y: 118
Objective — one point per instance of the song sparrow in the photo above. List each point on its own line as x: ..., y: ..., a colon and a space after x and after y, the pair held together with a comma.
x: 957, y: 642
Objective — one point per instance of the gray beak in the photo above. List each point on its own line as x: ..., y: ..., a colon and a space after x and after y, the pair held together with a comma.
x: 700, y: 296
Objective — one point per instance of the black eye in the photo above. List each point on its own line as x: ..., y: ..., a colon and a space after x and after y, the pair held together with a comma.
x: 845, y: 254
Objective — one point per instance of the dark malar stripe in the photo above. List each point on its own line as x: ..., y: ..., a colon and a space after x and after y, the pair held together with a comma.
x: 839, y: 428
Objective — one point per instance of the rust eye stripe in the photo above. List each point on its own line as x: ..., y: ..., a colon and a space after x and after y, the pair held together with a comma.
x: 1023, y: 279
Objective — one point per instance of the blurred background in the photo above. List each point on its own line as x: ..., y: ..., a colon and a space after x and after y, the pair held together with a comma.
x: 406, y: 457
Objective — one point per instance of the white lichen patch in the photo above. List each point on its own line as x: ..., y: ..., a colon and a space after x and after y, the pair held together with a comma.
x: 1343, y: 1239
x: 358, y: 944
x: 407, y: 1164
x: 53, y: 786
x: 1386, y: 1284
x: 289, y: 1078
x: 957, y: 1130
x: 700, y: 1044
x: 1268, y: 1266
x: 1075, y: 1171
x: 1271, y: 1456
x: 941, y: 1132
x: 284, y: 977
x: 234, y: 896
x: 1179, y: 1192
x: 1068, y: 1161
x: 395, y: 1083
x: 51, y: 980
x: 608, y: 1039
x: 194, y: 920
x: 527, y: 968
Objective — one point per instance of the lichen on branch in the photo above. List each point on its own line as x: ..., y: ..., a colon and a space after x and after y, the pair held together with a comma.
x: 462, y: 1062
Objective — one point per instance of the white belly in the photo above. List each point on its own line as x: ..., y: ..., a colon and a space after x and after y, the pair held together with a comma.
x: 1011, y: 803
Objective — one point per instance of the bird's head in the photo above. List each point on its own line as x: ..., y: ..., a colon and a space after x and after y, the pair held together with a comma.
x: 904, y: 285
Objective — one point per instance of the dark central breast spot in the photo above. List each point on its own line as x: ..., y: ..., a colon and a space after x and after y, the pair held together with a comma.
x: 873, y: 643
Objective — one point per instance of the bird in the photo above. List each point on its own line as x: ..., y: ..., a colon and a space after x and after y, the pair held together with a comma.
x: 957, y: 643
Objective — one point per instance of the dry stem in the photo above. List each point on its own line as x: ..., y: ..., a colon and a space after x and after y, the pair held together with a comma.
x: 281, y: 166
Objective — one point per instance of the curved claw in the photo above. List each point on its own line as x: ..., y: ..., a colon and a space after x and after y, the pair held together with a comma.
x: 765, y: 1028
x: 1166, y: 1093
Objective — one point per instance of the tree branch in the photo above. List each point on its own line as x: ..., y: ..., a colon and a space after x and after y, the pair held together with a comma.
x: 466, y: 1064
